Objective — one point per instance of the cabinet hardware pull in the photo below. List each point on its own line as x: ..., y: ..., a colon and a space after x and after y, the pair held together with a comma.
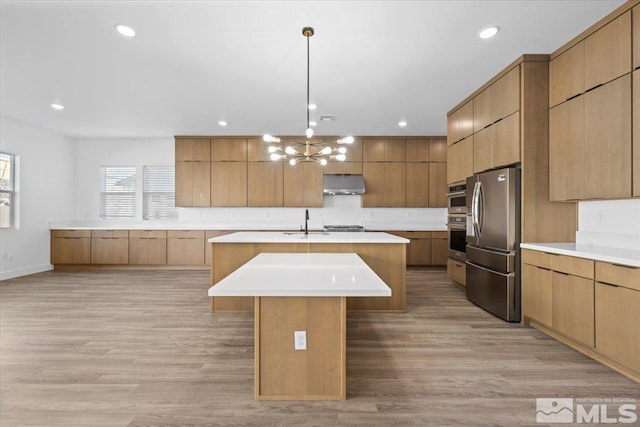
x: 608, y: 284
x: 561, y: 272
x: 487, y: 126
x: 574, y: 96
x: 549, y: 253
x: 624, y: 266
x: 500, y: 119
x: 593, y: 88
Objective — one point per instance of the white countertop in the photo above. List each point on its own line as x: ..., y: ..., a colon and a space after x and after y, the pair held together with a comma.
x: 303, y: 275
x: 599, y: 253
x: 312, y: 237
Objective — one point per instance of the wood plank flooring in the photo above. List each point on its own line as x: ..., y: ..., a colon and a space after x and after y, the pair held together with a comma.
x: 140, y: 348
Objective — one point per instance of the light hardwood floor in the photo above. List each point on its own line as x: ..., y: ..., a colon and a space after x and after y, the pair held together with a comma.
x: 140, y: 348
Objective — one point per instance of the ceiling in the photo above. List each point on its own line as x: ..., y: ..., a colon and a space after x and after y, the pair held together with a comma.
x: 193, y: 63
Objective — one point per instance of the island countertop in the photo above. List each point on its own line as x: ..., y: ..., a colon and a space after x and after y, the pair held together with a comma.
x: 303, y: 275
x: 312, y: 237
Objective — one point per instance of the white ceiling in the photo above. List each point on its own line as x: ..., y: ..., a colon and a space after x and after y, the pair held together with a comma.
x: 193, y: 63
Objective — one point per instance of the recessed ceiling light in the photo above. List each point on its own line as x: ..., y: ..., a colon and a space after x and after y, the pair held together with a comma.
x: 488, y: 32
x: 402, y: 123
x: 125, y: 30
x: 313, y: 123
x: 57, y: 107
x: 312, y: 106
x: 222, y: 123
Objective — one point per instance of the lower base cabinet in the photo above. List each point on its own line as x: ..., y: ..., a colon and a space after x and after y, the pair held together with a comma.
x: 70, y: 247
x: 109, y: 247
x: 457, y: 271
x: 591, y: 305
x: 185, y: 247
x: 148, y: 247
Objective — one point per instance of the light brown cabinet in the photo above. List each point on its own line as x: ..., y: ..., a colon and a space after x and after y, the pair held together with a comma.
x: 536, y: 294
x: 439, y: 248
x: 185, y: 247
x: 265, y: 184
x: 566, y: 75
x: 457, y: 271
x: 192, y: 149
x: 635, y: 32
x: 229, y: 149
x: 437, y: 185
x: 607, y: 52
x: 636, y: 127
x: 460, y: 161
x: 597, y: 123
x: 228, y: 183
x: 418, y: 251
x: 109, y: 247
x: 417, y: 185
x: 209, y: 234
x: 460, y: 123
x: 573, y: 307
x: 497, y: 145
x: 193, y: 182
x: 303, y: 185
x: 383, y: 150
x: 384, y: 183
x: 343, y: 167
x: 499, y: 100
x: 148, y: 247
x: 417, y: 150
x: 70, y: 247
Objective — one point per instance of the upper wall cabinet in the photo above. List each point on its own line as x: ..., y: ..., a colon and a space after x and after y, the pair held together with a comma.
x: 599, y: 58
x: 229, y: 149
x: 193, y: 149
x: 383, y: 150
x: 635, y: 18
x: 497, y: 101
x: 460, y: 123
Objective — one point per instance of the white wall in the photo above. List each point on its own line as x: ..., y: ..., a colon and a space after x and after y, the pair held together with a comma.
x: 613, y: 223
x: 46, y: 194
x: 93, y: 153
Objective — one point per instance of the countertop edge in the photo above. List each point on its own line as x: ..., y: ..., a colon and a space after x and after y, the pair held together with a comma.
x: 596, y: 253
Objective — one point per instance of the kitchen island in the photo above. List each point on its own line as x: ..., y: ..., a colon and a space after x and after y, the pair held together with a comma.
x: 301, y: 320
x: 384, y: 253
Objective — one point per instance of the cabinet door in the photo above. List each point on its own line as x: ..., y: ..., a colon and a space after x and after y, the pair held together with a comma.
x: 608, y: 140
x: 419, y: 252
x: 417, y: 150
x: 618, y: 324
x: 506, y: 93
x: 185, y: 251
x: 109, y: 250
x: 258, y: 150
x: 228, y: 149
x: 193, y: 149
x: 343, y: 167
x: 537, y: 294
x: 607, y: 52
x: 439, y: 250
x: 138, y: 251
x: 482, y: 149
x: 437, y: 150
x: 635, y: 17
x: 636, y: 125
x: 456, y: 271
x: 70, y: 250
x: 374, y: 184
x: 506, y: 145
x: 394, y: 184
x: 573, y: 307
x: 228, y: 184
x: 156, y: 250
x: 417, y: 185
x: 566, y: 75
x: 395, y: 150
x: 437, y: 185
x: 193, y: 180
x: 265, y: 184
x: 303, y: 185
x: 354, y: 150
x: 460, y: 123
x: 483, y: 109
x: 373, y: 150
x: 460, y: 160
x: 566, y: 151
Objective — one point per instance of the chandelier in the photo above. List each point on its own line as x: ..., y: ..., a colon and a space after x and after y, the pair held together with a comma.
x: 308, y: 151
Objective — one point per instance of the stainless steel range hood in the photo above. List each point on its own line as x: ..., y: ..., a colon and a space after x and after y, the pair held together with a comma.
x: 343, y: 184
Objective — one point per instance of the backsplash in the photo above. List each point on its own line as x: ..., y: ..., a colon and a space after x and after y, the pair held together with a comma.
x: 612, y: 223
x: 336, y: 210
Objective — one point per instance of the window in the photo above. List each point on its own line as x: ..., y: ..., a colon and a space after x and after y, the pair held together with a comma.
x: 7, y: 189
x: 159, y: 197
x: 117, y: 192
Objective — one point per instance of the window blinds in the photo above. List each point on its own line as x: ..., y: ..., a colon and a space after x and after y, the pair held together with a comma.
x: 117, y: 192
x: 159, y: 192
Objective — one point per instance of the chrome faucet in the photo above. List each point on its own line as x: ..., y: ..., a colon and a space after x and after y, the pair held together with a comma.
x: 306, y: 221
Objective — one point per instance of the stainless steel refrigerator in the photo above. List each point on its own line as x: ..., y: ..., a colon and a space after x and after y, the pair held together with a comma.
x: 493, y: 242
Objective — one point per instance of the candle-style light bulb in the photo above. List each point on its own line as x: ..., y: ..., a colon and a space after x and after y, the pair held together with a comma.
x: 309, y: 133
x: 290, y: 150
x: 341, y: 157
x: 326, y: 151
x: 275, y: 157
x: 323, y: 162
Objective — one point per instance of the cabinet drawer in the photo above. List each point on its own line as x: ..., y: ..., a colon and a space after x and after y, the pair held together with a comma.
x: 110, y: 233
x: 572, y: 265
x: 616, y: 274
x: 70, y: 233
x: 457, y: 271
x: 541, y: 259
x: 148, y: 234
x: 438, y: 234
x: 413, y: 234
x: 185, y: 234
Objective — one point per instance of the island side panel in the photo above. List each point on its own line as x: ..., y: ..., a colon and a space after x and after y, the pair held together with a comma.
x: 317, y: 373
x: 388, y: 260
x: 228, y: 257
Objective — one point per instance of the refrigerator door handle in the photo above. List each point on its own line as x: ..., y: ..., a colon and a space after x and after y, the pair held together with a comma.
x: 474, y: 208
x: 490, y: 271
x: 480, y: 214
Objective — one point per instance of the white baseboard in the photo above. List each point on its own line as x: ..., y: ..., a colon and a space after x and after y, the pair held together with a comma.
x: 12, y: 274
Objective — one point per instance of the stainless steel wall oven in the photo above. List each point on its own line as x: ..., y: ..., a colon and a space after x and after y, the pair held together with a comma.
x: 457, y: 222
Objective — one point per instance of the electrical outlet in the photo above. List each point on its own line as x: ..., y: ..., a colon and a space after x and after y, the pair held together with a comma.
x: 300, y: 340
